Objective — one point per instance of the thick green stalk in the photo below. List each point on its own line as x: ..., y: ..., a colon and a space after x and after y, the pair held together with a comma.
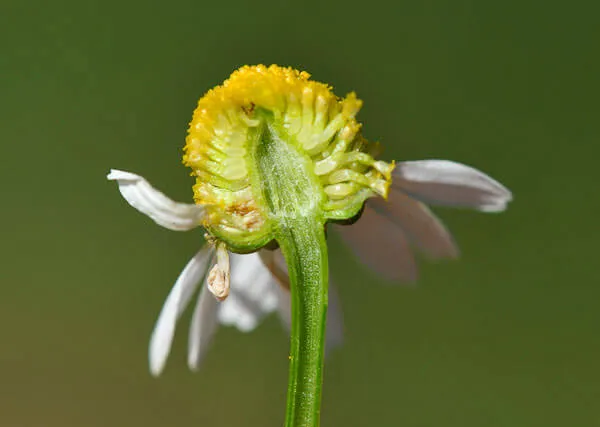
x: 294, y: 197
x: 305, y: 251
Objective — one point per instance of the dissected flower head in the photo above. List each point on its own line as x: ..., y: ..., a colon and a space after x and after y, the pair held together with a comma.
x: 257, y: 104
x: 265, y: 112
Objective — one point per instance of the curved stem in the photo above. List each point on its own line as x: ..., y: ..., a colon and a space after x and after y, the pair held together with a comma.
x: 305, y: 251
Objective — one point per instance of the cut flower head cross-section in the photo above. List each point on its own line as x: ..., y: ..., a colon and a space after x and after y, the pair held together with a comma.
x: 278, y: 158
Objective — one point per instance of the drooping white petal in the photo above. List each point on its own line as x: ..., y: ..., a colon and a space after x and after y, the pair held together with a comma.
x: 252, y: 293
x: 381, y: 245
x: 149, y: 201
x: 203, y: 326
x: 446, y: 183
x: 179, y: 297
x: 421, y: 226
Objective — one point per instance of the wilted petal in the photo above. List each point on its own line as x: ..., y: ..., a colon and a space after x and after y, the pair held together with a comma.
x: 381, y: 245
x: 149, y: 201
x: 179, y: 297
x: 203, y: 326
x: 446, y: 183
x: 252, y: 293
x: 218, y: 277
x: 421, y: 226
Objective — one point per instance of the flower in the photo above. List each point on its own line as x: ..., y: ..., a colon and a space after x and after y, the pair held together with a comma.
x: 266, y: 128
x: 382, y: 239
x: 277, y: 158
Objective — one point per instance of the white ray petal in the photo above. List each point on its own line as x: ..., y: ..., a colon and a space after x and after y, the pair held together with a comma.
x: 165, y: 212
x: 381, y: 245
x: 203, y: 326
x: 421, y: 226
x: 252, y: 294
x: 179, y: 297
x: 446, y: 183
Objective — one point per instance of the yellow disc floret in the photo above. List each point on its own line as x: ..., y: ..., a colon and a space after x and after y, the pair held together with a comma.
x: 318, y: 124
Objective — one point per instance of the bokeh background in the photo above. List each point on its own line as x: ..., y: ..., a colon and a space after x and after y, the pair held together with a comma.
x: 508, y: 336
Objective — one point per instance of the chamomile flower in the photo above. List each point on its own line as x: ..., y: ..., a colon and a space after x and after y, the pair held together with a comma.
x: 382, y: 239
x: 278, y: 158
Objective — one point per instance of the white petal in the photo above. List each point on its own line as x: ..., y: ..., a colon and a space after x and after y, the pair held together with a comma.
x: 179, y: 297
x: 149, y: 201
x: 446, y: 183
x: 203, y: 326
x: 421, y: 226
x: 381, y: 245
x: 252, y: 294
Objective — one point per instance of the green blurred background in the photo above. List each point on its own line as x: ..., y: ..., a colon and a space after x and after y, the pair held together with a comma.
x: 508, y: 336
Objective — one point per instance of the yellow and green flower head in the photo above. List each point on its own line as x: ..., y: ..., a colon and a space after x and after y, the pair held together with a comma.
x: 276, y: 157
x: 268, y: 126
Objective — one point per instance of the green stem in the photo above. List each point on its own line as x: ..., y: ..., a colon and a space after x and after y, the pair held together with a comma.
x: 293, y: 195
x: 305, y: 251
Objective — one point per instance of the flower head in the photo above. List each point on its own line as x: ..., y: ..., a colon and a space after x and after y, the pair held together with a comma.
x: 269, y: 126
x: 283, y: 104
